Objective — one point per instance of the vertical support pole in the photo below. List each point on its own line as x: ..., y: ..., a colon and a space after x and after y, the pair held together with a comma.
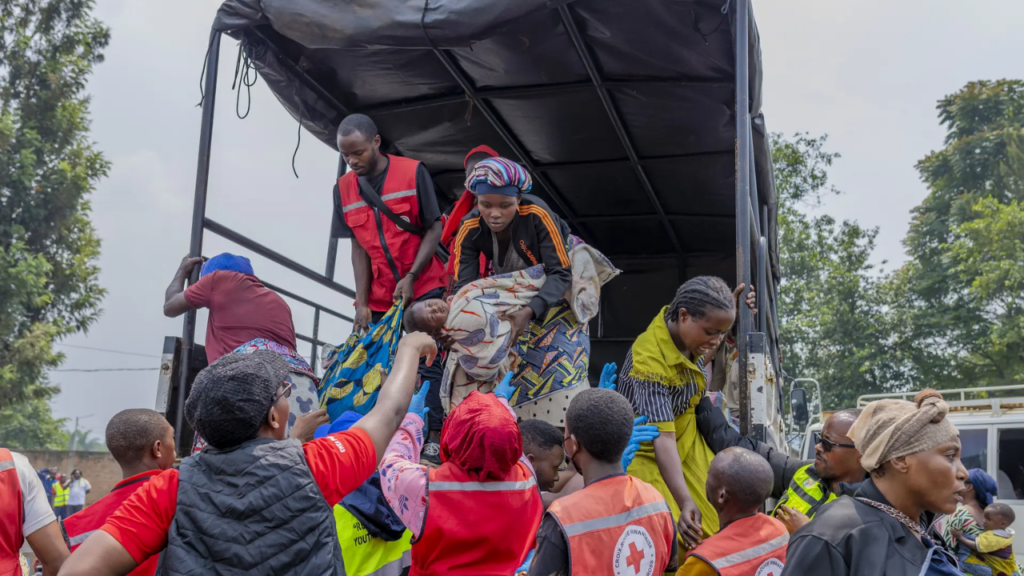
x: 762, y: 285
x: 743, y: 207
x: 316, y: 336
x: 198, y: 215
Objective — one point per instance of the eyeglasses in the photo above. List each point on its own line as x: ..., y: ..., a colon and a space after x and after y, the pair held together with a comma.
x: 286, y: 393
x: 827, y: 445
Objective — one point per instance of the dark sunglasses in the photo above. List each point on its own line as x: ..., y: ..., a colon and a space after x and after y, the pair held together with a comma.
x: 827, y: 445
x: 286, y: 393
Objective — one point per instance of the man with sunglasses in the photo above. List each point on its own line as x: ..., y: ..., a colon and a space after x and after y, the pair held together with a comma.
x: 802, y: 487
x: 251, y: 501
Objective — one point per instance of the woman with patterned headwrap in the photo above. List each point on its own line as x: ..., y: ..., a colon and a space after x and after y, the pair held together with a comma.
x: 514, y: 232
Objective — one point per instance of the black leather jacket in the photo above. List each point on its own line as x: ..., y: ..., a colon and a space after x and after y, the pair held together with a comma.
x: 850, y: 538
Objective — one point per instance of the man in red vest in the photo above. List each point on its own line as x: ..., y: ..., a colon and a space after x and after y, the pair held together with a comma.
x: 142, y: 443
x: 478, y: 512
x: 387, y: 206
x: 749, y: 543
x: 616, y: 524
x: 390, y: 260
x: 25, y: 514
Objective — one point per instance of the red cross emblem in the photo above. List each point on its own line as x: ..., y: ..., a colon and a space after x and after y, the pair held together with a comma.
x: 635, y: 557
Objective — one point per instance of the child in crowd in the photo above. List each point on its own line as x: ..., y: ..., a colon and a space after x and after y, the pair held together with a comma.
x: 250, y: 484
x: 749, y: 543
x: 993, y: 548
x: 542, y: 445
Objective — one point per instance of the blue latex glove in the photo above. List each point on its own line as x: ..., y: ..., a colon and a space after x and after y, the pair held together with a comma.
x: 419, y: 400
x: 642, y: 432
x: 526, y: 565
x: 505, y: 389
x: 609, y: 374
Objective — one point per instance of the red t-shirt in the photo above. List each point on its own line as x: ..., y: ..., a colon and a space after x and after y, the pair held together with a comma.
x: 79, y: 526
x: 241, y: 310
x: 340, y: 463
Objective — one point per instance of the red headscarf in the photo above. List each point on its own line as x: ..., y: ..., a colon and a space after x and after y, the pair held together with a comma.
x: 481, y: 437
x: 464, y: 204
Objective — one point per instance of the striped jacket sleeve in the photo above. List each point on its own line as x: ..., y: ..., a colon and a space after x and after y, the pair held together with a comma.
x: 650, y: 399
x: 557, y: 267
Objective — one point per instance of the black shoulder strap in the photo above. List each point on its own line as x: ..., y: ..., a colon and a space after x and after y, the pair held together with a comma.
x: 368, y: 195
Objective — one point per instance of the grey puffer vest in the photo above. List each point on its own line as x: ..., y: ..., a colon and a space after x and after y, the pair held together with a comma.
x: 254, y: 509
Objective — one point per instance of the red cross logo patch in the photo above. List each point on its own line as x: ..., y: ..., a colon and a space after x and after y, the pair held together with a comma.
x: 634, y: 553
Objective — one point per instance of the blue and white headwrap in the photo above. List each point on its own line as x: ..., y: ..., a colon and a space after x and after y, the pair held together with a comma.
x: 499, y: 176
x: 985, y: 487
x: 228, y: 262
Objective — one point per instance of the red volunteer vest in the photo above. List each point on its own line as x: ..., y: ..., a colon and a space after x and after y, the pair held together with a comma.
x: 399, y: 195
x: 754, y: 546
x: 79, y: 526
x: 11, y: 516
x: 477, y: 528
x: 620, y: 525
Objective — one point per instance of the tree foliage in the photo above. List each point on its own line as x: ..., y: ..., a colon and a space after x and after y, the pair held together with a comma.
x: 954, y: 329
x: 48, y: 168
x: 832, y: 306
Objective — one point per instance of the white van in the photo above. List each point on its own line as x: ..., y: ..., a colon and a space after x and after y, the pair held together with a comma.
x: 991, y: 425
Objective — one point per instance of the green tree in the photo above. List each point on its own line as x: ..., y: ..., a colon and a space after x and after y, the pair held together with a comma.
x: 48, y: 168
x: 832, y: 309
x: 82, y: 440
x: 946, y: 325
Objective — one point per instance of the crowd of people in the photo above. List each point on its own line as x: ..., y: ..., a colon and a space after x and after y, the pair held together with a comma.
x: 484, y: 449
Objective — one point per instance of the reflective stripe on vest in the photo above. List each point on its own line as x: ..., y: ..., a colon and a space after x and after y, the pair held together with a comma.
x: 806, y: 493
x: 751, y: 546
x: 615, y: 519
x: 11, y: 516
x: 365, y: 555
x: 460, y: 535
x: 619, y: 525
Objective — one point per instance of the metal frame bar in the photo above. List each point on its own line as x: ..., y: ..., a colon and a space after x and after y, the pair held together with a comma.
x: 245, y: 242
x: 744, y: 159
x: 613, y: 116
x: 510, y: 140
x: 188, y: 331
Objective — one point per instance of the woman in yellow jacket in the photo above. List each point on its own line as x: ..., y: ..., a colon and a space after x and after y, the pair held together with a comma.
x: 664, y: 377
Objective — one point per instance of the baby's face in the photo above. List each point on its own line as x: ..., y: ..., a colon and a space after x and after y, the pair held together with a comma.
x: 994, y: 521
x: 431, y: 314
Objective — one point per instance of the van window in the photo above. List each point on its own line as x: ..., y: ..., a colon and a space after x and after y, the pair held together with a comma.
x: 974, y: 448
x: 1010, y: 472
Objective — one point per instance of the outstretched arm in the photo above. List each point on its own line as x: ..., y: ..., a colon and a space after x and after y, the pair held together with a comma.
x: 396, y: 393
x: 99, y: 555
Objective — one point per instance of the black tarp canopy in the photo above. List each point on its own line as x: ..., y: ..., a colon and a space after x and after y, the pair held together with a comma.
x: 624, y: 113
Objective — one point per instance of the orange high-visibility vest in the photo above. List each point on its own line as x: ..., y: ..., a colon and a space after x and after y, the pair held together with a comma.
x: 620, y: 525
x: 399, y: 195
x: 477, y: 528
x: 754, y: 546
x: 11, y: 516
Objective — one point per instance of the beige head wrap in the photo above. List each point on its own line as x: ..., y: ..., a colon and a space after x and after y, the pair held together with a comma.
x: 888, y: 429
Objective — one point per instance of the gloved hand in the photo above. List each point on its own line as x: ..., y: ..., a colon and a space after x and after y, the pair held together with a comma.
x: 609, y: 374
x: 505, y: 389
x: 419, y: 400
x: 642, y: 432
x: 526, y: 565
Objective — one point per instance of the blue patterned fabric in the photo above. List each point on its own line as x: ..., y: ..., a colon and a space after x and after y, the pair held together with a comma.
x: 357, y: 368
x: 295, y: 362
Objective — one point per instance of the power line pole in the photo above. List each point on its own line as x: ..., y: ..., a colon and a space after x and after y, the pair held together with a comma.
x: 74, y: 443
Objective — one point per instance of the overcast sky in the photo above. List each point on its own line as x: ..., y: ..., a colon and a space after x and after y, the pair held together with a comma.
x: 867, y: 73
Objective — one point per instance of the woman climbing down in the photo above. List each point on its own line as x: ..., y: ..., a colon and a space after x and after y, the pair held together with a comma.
x: 663, y: 378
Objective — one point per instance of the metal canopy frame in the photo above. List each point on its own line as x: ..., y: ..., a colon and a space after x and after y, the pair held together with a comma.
x: 752, y: 252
